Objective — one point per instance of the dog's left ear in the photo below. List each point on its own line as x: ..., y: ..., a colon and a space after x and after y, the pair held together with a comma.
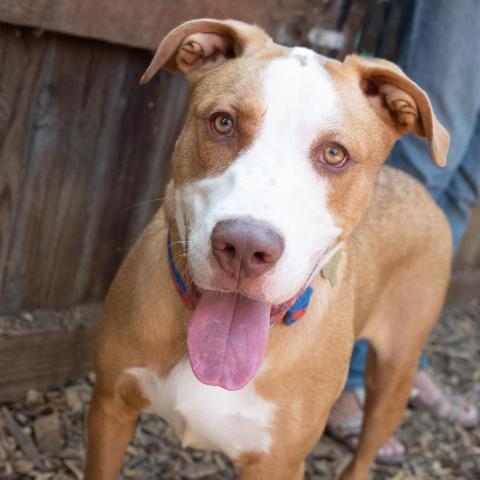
x: 202, y: 44
x: 401, y: 103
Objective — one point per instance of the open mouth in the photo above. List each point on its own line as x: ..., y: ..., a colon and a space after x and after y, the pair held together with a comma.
x: 228, y: 332
x: 228, y: 335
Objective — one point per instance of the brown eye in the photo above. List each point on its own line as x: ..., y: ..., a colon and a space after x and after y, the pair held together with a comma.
x: 222, y: 123
x: 335, y: 155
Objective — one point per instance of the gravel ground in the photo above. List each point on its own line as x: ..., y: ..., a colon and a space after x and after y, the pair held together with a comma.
x: 41, y: 437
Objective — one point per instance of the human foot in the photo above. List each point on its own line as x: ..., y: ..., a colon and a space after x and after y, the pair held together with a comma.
x: 345, y: 424
x: 430, y: 395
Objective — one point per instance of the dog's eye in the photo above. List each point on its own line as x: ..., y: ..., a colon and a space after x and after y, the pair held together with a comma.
x: 335, y: 155
x: 222, y: 123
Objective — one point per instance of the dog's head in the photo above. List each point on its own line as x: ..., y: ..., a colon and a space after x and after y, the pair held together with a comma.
x: 274, y: 168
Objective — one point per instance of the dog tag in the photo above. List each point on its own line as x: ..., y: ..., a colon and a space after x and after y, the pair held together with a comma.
x: 329, y: 271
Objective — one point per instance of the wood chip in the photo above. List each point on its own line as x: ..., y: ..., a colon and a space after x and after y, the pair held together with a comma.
x: 399, y: 475
x: 73, y: 399
x: 24, y: 441
x: 48, y: 433
x: 23, y: 467
x: 70, y: 464
x: 195, y: 472
x: 33, y: 397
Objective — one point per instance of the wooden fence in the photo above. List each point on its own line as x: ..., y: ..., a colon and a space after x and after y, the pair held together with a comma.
x: 84, y: 154
x: 84, y: 151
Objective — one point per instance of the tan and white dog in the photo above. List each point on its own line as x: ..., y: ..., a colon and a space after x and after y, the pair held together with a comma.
x: 277, y: 178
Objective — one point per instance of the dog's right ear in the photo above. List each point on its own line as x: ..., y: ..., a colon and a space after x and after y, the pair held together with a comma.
x: 401, y: 103
x: 202, y: 44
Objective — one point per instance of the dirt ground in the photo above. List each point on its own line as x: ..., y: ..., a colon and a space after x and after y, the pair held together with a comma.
x: 41, y: 437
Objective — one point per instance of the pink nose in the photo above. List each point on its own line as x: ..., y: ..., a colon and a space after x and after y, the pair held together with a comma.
x: 245, y: 248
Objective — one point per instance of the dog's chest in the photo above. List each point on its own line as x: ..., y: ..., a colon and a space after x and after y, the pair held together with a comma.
x: 209, y: 417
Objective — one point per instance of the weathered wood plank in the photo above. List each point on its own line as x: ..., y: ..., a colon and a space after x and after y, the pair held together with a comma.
x: 80, y: 145
x: 45, y: 349
x: 24, y: 441
x: 143, y: 23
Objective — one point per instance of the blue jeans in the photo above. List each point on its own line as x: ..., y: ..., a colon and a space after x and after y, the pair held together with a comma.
x: 441, y: 53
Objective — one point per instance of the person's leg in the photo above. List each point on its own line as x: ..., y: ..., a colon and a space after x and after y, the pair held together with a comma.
x: 463, y: 191
x: 461, y: 194
x: 345, y: 420
x: 357, y: 366
x: 446, y: 67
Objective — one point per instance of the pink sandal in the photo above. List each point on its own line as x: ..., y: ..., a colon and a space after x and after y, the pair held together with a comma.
x: 346, y: 430
x: 450, y: 407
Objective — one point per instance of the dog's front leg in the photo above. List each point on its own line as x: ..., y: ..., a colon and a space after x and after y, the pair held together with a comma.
x: 111, y: 424
x: 401, y: 329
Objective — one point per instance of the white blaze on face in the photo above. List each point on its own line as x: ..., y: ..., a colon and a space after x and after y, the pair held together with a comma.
x: 274, y: 181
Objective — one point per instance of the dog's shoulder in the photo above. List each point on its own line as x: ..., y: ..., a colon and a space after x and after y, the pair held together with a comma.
x: 402, y: 222
x: 402, y: 213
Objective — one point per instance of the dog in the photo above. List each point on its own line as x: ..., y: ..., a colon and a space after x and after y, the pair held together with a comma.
x: 282, y: 239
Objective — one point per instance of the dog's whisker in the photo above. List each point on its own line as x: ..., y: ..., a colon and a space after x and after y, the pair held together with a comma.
x: 140, y: 204
x: 180, y: 242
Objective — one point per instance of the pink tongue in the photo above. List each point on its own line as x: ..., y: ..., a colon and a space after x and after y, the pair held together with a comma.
x: 227, y: 338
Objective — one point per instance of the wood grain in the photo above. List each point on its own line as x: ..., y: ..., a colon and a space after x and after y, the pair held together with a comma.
x: 81, y: 144
x: 23, y: 440
x: 143, y: 23
x: 45, y: 350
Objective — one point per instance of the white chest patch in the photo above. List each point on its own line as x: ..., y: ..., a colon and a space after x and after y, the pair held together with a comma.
x: 209, y: 417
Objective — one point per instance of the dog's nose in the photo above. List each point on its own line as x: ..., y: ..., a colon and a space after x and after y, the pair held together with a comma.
x: 245, y: 248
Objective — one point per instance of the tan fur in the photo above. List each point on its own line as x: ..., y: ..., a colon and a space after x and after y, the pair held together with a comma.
x: 198, y: 154
x: 407, y: 102
x: 185, y: 46
x: 392, y: 277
